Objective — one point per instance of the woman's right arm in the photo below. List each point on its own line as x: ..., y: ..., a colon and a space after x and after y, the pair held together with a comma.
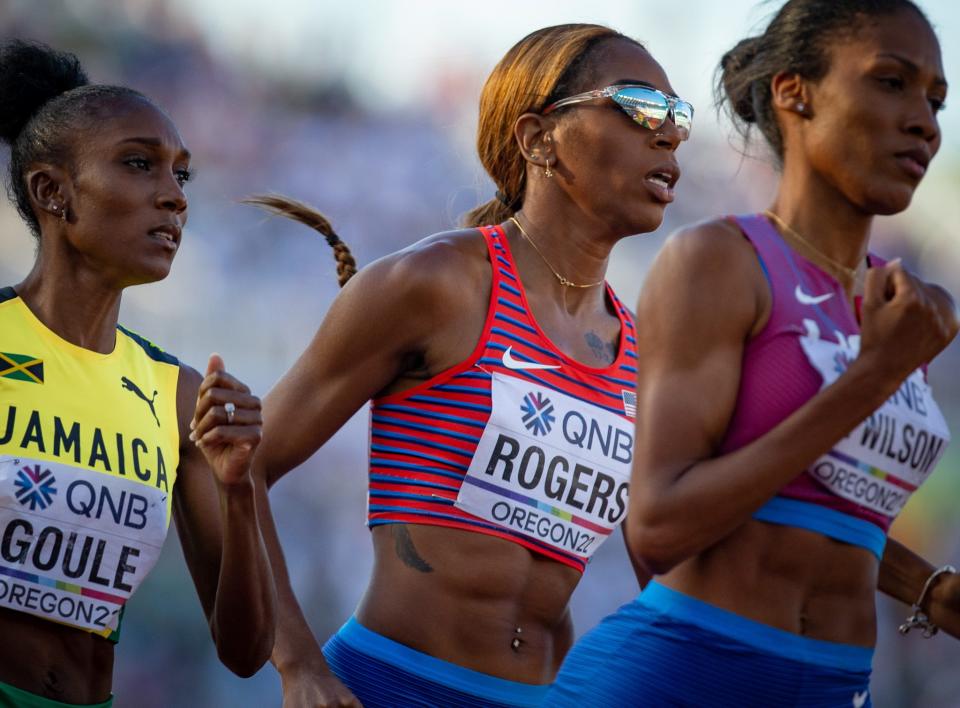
x: 386, y: 320
x: 704, y: 298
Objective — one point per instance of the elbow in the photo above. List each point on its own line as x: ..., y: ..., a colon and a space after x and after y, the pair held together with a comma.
x: 656, y: 545
x: 245, y: 661
x: 245, y: 655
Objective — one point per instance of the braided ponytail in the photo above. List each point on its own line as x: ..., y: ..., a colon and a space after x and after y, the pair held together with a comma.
x: 307, y: 215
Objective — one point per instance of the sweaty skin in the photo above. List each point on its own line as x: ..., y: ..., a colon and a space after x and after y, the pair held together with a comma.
x: 128, y: 182
x: 690, y: 516
x: 453, y: 594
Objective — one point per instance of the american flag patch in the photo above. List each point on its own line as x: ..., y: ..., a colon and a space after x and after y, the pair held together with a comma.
x: 629, y: 403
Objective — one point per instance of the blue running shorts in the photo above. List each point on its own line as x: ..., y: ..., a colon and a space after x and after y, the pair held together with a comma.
x: 669, y: 649
x: 383, y: 673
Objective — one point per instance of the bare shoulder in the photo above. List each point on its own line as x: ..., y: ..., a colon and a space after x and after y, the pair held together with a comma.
x: 715, y: 243
x: 440, y: 269
x: 708, y: 271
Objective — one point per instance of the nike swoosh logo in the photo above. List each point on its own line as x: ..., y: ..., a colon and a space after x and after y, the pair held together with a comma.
x: 511, y: 363
x: 859, y: 699
x: 805, y: 299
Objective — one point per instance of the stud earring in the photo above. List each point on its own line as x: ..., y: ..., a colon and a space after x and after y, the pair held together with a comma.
x: 801, y: 107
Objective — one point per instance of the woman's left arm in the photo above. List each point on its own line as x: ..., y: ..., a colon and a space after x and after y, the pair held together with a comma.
x: 903, y: 573
x: 902, y: 576
x: 216, y: 515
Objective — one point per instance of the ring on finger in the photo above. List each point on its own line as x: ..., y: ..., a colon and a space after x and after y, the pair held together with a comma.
x: 231, y: 408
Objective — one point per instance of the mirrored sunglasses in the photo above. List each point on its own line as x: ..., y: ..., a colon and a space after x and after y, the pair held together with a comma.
x: 647, y: 106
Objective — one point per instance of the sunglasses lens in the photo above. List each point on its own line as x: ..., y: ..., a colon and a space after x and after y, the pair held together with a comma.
x: 683, y: 117
x: 645, y: 106
x: 650, y: 108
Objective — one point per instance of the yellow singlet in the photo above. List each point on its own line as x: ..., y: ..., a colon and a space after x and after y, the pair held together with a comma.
x: 89, y: 448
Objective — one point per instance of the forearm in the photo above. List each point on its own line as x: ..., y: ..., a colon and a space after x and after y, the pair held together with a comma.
x: 902, y: 572
x: 295, y: 646
x: 695, y: 508
x: 243, y: 620
x: 903, y: 575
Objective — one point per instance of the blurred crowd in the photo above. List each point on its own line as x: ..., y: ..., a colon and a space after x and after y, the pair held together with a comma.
x: 255, y: 288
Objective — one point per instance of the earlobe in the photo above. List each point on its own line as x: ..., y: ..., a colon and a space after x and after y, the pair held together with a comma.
x: 47, y: 189
x: 790, y: 92
x: 532, y: 132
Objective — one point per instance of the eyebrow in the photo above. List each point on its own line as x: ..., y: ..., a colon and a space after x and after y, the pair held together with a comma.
x: 153, y: 142
x: 938, y: 80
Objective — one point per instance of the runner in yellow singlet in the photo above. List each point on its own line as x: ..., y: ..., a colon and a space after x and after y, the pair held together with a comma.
x: 103, y: 436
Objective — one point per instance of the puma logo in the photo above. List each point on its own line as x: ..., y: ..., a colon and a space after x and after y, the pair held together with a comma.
x: 131, y: 386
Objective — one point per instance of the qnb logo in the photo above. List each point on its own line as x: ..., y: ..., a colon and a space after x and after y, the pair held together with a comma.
x: 537, y: 413
x: 35, y: 487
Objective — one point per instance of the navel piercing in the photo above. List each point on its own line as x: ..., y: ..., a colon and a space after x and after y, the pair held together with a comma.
x: 515, y: 644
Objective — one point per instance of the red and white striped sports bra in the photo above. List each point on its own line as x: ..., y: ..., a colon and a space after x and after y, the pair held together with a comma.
x: 519, y: 441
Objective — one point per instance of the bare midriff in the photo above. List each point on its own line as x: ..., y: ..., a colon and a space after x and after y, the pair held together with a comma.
x: 789, y: 578
x: 468, y: 608
x: 54, y: 661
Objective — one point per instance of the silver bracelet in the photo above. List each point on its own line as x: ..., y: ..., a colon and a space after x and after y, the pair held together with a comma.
x: 919, y: 618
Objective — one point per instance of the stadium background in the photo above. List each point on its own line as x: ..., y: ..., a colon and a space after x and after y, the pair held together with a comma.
x: 368, y: 110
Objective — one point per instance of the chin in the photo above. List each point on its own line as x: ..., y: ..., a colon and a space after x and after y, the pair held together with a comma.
x: 889, y: 200
x: 647, y: 218
x: 148, y: 273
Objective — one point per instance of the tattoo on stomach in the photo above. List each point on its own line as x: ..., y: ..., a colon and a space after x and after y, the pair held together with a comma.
x: 406, y: 551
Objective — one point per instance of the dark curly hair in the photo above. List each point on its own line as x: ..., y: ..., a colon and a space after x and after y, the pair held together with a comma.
x: 47, y: 102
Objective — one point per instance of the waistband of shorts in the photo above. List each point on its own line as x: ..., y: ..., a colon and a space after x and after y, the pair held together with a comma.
x: 25, y: 699
x: 771, y: 640
x: 443, y: 672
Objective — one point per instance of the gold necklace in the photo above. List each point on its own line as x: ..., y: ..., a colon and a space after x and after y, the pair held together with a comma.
x: 563, y: 281
x: 849, y: 273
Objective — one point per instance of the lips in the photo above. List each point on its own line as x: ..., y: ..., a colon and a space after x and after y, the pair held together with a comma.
x: 167, y: 232
x: 914, y: 161
x: 661, y: 180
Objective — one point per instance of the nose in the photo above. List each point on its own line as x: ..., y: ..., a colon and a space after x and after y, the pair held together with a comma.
x: 668, y: 136
x: 923, y: 123
x: 171, y: 196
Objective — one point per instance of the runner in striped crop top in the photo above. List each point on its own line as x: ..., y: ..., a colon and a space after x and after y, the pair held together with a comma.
x: 501, y: 369
x: 97, y: 424
x: 519, y: 441
x: 783, y: 413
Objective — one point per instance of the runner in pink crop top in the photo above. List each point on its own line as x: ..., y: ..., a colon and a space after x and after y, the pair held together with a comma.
x: 855, y: 491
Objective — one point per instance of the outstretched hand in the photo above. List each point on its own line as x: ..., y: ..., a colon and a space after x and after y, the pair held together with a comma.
x: 226, y: 424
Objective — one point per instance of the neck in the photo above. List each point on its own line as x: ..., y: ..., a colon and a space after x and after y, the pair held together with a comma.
x: 823, y: 216
x: 575, y: 246
x: 72, y: 303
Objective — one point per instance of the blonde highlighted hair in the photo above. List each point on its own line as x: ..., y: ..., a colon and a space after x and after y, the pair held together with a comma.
x: 542, y: 67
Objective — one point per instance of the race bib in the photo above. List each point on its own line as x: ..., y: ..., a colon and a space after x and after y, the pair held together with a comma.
x: 550, y: 466
x: 75, y: 544
x: 890, y: 454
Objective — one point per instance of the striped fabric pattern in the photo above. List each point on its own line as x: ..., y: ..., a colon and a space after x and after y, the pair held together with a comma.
x: 423, y: 439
